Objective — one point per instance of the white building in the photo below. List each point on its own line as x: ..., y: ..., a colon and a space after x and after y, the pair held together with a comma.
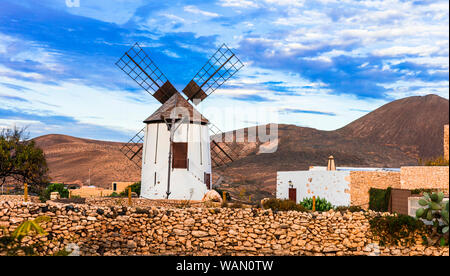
x: 177, y: 167
x: 333, y: 185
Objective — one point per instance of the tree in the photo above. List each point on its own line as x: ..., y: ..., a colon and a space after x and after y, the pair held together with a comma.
x: 21, y: 160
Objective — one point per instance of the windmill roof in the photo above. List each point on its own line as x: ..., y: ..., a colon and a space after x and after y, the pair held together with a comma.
x: 167, y: 110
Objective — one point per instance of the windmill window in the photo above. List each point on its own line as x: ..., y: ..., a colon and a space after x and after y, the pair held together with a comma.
x: 179, y: 159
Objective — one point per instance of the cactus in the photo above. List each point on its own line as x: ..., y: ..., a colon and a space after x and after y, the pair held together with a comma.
x: 444, y: 215
x: 433, y: 209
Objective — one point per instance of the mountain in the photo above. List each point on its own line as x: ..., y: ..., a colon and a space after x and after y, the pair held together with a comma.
x: 393, y: 135
x: 76, y: 160
x: 414, y: 124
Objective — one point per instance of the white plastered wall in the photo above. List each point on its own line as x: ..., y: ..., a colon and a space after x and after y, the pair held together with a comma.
x: 334, y: 186
x: 184, y: 183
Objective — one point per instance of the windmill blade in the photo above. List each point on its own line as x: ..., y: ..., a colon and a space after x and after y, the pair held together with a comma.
x: 133, y: 148
x: 222, y: 153
x: 218, y: 69
x: 138, y: 65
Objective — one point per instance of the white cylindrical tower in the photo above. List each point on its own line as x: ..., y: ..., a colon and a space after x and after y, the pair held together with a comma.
x: 187, y: 175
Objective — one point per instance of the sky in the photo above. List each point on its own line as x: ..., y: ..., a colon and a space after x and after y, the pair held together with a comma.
x: 319, y: 64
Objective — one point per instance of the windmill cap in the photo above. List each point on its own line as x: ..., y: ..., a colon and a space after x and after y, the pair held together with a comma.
x: 175, y: 108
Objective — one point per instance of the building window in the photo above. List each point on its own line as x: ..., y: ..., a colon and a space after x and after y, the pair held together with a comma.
x: 114, y: 186
x: 179, y: 158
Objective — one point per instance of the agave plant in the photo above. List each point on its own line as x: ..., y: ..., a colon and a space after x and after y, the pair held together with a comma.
x: 26, y: 227
x: 433, y: 209
x: 11, y: 244
x: 322, y: 205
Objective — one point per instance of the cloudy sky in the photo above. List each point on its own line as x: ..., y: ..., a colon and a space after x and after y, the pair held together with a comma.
x: 318, y: 64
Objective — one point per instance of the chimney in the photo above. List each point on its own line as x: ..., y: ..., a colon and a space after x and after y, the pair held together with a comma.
x: 331, y: 165
x: 446, y: 142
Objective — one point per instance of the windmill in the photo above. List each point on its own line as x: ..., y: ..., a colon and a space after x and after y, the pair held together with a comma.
x: 174, y: 149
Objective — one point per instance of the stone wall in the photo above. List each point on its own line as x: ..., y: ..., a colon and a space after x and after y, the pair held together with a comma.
x: 19, y: 198
x: 446, y: 130
x: 425, y: 177
x: 201, y: 231
x: 362, y: 181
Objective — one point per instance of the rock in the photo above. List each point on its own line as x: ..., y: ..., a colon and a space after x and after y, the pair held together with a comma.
x: 199, y: 234
x: 212, y: 195
x: 90, y: 218
x: 180, y: 232
x: 209, y: 244
x: 54, y: 195
x: 131, y: 244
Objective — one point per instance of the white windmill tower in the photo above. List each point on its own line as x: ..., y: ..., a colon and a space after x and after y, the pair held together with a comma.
x: 174, y: 149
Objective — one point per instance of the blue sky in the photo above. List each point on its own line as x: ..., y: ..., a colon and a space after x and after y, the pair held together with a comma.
x: 318, y: 64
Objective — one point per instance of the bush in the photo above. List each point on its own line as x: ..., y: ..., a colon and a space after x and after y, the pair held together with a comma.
x: 322, y: 205
x: 135, y: 188
x: 439, y: 161
x: 54, y: 187
x: 397, y: 230
x: 379, y: 199
x: 283, y: 205
x: 351, y: 209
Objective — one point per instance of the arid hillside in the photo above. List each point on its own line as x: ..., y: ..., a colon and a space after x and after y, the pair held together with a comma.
x: 415, y: 124
x: 73, y: 160
x: 396, y: 134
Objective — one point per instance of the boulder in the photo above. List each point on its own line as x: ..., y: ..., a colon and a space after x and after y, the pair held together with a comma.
x: 213, y: 196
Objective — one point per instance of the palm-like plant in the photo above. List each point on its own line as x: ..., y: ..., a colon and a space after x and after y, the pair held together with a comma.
x: 11, y: 245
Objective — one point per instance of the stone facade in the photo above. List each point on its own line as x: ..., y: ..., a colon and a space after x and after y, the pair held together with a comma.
x: 425, y: 177
x: 201, y: 231
x: 362, y: 181
x: 446, y: 130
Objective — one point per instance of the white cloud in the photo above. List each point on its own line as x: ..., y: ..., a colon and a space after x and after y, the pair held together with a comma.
x: 239, y: 3
x: 406, y: 50
x: 196, y: 10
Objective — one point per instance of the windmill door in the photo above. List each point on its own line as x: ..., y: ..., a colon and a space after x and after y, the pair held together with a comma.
x: 208, y: 180
x: 179, y: 159
x: 293, y: 194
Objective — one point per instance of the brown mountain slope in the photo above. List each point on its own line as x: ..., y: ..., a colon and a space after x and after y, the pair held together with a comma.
x: 414, y: 124
x: 70, y: 159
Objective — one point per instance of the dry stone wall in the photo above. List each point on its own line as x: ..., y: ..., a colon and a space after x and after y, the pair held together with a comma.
x: 201, y: 231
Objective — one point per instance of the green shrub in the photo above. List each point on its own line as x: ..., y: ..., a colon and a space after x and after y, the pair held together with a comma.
x: 349, y: 209
x: 135, y: 188
x: 322, y: 205
x: 54, y: 187
x: 397, y: 229
x: 283, y: 205
x: 439, y: 161
x: 379, y: 199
